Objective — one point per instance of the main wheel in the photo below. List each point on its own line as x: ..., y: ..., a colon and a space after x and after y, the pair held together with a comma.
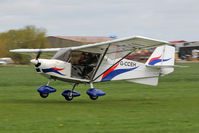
x: 44, y: 95
x: 69, y: 98
x: 93, y: 97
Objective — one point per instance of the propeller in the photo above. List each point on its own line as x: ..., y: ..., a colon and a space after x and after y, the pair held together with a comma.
x: 37, y: 57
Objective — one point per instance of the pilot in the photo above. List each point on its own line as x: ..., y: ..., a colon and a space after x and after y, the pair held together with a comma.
x: 83, y: 60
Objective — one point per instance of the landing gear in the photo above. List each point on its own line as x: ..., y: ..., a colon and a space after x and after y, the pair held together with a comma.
x: 70, y: 94
x: 45, y: 90
x: 94, y: 93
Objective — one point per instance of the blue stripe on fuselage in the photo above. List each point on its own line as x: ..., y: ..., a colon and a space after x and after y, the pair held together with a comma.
x: 52, y: 70
x: 114, y: 73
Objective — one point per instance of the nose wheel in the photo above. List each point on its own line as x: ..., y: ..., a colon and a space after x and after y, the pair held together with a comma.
x: 44, y: 91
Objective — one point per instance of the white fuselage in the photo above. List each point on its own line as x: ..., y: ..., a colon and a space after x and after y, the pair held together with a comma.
x: 56, y: 68
x: 124, y: 70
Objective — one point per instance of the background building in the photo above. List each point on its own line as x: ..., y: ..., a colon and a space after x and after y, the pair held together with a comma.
x: 71, y: 41
x: 189, y: 51
x: 184, y: 49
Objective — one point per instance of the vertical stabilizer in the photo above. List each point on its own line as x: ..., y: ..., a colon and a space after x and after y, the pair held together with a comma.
x: 163, y: 58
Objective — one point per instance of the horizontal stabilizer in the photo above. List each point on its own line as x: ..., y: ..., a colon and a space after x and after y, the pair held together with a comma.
x: 147, y: 81
x: 166, y: 66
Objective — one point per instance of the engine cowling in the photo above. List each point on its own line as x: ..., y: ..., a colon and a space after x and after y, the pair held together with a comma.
x: 52, y: 67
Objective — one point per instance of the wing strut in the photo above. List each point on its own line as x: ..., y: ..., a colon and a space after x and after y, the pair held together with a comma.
x: 113, y: 65
x: 99, y: 63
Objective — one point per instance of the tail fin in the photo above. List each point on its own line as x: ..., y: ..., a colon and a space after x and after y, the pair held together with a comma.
x: 163, y: 57
x: 160, y: 63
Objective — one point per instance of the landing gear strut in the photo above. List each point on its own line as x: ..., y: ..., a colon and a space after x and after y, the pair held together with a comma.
x: 70, y: 94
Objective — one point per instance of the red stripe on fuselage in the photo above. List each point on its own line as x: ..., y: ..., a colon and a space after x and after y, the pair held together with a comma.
x: 110, y: 70
x: 57, y: 69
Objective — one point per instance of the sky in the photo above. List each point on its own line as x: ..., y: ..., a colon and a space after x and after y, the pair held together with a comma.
x: 167, y: 20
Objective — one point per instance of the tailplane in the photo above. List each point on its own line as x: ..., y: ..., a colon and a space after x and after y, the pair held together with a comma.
x: 160, y: 63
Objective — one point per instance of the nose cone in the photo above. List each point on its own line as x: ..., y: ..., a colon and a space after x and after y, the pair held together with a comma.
x: 33, y: 61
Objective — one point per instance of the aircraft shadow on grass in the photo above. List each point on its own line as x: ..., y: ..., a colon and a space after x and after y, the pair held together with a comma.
x: 141, y: 101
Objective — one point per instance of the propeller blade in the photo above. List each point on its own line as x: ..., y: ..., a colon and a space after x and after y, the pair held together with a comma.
x: 38, y: 55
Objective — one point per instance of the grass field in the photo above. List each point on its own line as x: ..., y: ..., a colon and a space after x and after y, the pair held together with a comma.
x: 171, y: 107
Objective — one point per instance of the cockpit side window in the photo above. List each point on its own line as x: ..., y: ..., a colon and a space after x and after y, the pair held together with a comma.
x: 83, y: 64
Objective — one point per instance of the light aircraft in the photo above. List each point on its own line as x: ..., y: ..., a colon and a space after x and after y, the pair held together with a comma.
x: 100, y: 62
x: 5, y: 61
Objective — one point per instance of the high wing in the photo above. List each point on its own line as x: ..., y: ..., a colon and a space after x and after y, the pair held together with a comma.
x: 115, y: 46
x: 123, y: 44
x: 35, y: 50
x: 45, y: 52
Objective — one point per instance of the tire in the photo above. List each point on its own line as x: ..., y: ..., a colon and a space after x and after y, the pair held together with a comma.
x: 93, y: 97
x: 44, y: 95
x: 69, y: 98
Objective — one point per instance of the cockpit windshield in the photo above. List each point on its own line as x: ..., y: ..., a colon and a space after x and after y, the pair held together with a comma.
x: 63, y: 54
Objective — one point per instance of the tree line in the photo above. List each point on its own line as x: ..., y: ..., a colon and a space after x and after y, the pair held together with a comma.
x: 27, y: 37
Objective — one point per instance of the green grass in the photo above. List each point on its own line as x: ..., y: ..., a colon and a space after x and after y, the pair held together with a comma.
x: 171, y: 107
